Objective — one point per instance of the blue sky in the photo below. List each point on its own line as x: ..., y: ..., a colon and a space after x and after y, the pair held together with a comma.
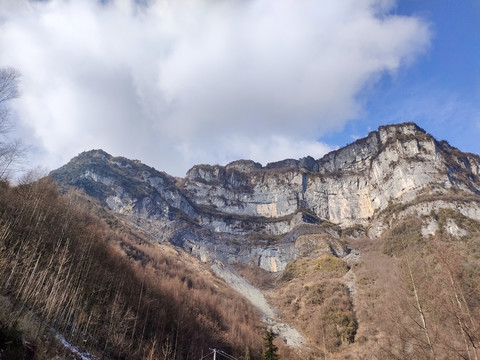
x: 177, y: 83
x: 440, y: 91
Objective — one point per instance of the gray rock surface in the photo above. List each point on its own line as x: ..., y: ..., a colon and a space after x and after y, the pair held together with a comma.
x: 243, y: 212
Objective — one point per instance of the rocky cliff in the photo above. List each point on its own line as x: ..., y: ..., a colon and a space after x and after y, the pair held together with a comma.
x: 245, y: 212
x: 345, y: 187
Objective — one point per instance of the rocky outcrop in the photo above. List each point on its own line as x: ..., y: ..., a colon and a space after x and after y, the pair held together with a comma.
x: 345, y: 187
x: 125, y: 186
x: 246, y: 212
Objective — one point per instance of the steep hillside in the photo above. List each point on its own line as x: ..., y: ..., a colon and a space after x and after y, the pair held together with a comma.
x: 369, y: 252
x: 110, y: 290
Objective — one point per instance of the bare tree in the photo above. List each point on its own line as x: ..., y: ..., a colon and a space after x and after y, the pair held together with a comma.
x: 9, y: 79
x: 11, y: 151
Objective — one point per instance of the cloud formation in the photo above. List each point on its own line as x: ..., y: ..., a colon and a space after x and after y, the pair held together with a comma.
x: 174, y: 83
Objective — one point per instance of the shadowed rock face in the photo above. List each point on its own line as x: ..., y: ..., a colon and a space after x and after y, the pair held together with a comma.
x: 243, y: 212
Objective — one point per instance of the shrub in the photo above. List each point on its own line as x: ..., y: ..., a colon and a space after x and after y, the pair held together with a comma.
x: 405, y: 234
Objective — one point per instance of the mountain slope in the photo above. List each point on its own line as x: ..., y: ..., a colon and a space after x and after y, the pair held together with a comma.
x: 114, y: 292
x: 327, y: 240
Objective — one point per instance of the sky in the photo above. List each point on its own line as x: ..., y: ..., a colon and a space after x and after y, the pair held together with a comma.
x: 175, y: 83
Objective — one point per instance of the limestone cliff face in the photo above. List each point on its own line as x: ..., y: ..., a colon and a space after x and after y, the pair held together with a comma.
x: 345, y: 187
x: 125, y: 186
x: 246, y: 212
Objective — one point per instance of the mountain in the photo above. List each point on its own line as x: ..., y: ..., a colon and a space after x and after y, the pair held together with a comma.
x: 369, y: 252
x: 246, y: 213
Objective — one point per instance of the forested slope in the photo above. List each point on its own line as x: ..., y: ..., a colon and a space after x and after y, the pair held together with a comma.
x: 64, y: 271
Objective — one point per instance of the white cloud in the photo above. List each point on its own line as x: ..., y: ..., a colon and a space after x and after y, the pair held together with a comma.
x: 185, y: 81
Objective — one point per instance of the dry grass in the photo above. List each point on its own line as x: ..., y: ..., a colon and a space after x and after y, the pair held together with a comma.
x: 257, y: 276
x: 313, y: 298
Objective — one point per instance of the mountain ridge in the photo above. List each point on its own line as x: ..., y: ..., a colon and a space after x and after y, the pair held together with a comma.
x: 348, y: 187
x: 359, y: 156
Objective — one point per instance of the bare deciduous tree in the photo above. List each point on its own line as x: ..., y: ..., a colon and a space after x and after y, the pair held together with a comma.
x: 11, y: 151
x: 9, y: 79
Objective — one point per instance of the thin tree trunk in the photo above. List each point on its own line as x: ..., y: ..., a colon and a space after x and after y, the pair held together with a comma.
x: 420, y: 310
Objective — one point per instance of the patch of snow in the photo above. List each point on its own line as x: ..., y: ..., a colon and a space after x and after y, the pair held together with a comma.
x: 75, y: 350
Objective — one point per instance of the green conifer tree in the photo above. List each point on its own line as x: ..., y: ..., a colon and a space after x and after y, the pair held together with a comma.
x: 271, y: 349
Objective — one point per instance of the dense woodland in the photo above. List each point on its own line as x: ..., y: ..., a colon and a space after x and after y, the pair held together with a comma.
x: 64, y: 270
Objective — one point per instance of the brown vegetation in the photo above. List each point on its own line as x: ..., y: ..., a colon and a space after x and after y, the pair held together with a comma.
x: 414, y: 297
x: 108, y: 291
x: 313, y: 297
x: 418, y: 298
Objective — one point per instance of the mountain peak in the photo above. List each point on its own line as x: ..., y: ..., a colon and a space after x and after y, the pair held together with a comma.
x: 95, y: 153
x: 347, y: 186
x: 406, y: 127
